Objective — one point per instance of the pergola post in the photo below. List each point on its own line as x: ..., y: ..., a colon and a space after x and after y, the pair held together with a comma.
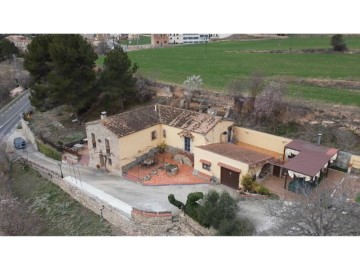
x: 286, y: 175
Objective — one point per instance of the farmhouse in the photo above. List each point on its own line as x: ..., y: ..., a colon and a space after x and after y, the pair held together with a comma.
x: 212, y: 146
x: 120, y: 141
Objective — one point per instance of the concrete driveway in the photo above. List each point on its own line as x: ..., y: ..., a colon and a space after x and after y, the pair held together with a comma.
x: 151, y: 198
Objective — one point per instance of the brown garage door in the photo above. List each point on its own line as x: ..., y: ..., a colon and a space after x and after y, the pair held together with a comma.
x: 229, y: 178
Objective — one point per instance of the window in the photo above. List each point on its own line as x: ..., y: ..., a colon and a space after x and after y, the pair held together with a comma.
x: 110, y: 161
x: 206, y: 167
x: 187, y: 144
x: 164, y: 133
x: 93, y: 140
x: 153, y: 135
x: 107, y: 146
x: 157, y: 42
x: 165, y: 41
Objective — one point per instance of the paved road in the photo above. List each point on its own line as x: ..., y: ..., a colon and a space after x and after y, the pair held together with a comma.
x: 12, y: 115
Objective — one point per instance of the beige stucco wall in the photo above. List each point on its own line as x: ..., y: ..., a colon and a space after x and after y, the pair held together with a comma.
x: 261, y: 139
x: 103, y: 133
x: 215, y: 169
x: 215, y: 135
x: 174, y: 140
x: 355, y: 161
x: 138, y: 143
x: 126, y: 149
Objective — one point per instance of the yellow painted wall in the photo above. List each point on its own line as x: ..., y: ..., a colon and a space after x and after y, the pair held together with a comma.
x: 138, y: 143
x: 174, y: 140
x: 215, y: 135
x: 215, y: 169
x: 261, y: 139
x: 355, y: 161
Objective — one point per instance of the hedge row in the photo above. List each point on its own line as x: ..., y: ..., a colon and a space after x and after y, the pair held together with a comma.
x: 49, y: 151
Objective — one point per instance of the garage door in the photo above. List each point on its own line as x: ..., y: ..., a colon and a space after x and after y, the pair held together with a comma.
x: 229, y: 178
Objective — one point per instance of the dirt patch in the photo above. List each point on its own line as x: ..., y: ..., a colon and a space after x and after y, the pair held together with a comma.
x: 57, y: 126
x: 244, y: 37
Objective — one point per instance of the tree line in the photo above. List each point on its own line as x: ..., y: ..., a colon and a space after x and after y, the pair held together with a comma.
x: 63, y: 71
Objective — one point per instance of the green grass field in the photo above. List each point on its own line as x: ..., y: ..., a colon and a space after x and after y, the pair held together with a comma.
x: 142, y: 41
x: 324, y: 94
x: 220, y: 62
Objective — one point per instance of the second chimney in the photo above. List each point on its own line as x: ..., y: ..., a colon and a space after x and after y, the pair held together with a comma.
x: 103, y: 115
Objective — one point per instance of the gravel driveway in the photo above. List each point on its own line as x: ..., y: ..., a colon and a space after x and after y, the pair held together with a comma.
x: 255, y: 211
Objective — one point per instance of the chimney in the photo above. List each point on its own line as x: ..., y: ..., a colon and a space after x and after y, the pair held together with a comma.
x: 155, y: 107
x: 103, y: 115
x: 319, y: 138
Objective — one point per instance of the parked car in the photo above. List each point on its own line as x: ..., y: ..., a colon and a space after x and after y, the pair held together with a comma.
x: 19, y: 143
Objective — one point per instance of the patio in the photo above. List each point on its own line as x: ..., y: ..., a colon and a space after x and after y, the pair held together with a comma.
x: 329, y: 184
x: 156, y: 175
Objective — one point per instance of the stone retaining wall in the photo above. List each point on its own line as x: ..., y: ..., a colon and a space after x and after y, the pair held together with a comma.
x: 28, y: 133
x: 139, y: 223
x: 153, y: 218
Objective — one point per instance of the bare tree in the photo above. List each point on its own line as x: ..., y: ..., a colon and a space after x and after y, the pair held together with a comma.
x: 256, y: 84
x: 103, y: 48
x: 320, y: 213
x: 270, y: 101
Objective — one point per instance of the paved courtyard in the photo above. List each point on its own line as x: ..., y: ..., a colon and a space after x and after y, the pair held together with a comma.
x: 156, y: 175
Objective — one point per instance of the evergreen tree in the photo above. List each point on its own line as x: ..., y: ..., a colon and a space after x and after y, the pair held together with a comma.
x: 7, y: 49
x: 117, y: 80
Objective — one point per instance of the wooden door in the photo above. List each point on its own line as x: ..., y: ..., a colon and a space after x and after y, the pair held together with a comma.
x: 276, y: 171
x: 229, y: 178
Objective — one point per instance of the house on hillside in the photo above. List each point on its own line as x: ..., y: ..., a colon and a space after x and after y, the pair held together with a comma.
x: 117, y: 142
x: 159, y: 40
x: 21, y: 42
x: 216, y: 149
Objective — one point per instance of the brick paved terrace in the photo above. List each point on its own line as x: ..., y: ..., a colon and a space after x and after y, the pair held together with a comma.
x: 156, y: 174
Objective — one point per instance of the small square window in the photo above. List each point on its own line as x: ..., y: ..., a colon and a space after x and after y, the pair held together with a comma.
x: 164, y: 133
x: 153, y: 135
x: 206, y: 167
x: 110, y: 161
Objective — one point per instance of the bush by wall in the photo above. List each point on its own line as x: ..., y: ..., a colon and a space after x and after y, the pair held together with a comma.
x: 250, y: 185
x: 48, y: 151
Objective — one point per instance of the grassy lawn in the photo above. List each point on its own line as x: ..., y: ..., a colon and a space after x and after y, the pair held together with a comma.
x: 60, y: 214
x: 219, y: 63
x: 100, y: 60
x: 324, y: 94
x: 142, y: 41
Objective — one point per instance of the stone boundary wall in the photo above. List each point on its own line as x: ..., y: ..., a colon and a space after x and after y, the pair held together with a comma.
x: 108, y: 212
x: 153, y: 218
x: 196, y: 227
x: 28, y: 133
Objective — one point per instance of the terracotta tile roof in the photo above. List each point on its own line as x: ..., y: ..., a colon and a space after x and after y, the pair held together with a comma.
x: 229, y: 167
x: 205, y: 162
x: 135, y: 120
x: 236, y: 152
x: 311, y: 158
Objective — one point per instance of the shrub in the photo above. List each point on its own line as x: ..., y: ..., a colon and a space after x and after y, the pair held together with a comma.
x: 247, y: 182
x: 215, y: 208
x: 192, y: 207
x: 260, y: 189
x: 235, y: 227
x: 162, y: 147
x: 358, y: 198
x: 175, y: 202
x: 49, y: 151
